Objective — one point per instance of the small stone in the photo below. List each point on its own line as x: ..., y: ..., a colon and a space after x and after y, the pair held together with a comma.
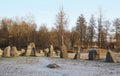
x: 53, y: 65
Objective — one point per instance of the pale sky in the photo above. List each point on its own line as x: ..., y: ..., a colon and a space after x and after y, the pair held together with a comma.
x: 45, y: 11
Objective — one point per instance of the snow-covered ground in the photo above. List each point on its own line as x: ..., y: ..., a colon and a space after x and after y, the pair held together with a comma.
x: 36, y: 66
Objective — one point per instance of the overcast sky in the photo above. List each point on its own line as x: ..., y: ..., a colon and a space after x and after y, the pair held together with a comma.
x: 44, y: 11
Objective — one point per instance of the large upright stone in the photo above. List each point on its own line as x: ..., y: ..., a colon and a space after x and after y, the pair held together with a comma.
x: 93, y: 54
x: 46, y: 52
x: 1, y: 51
x: 6, y: 52
x: 77, y: 54
x: 14, y: 51
x: 109, y: 57
x: 50, y: 52
x: 112, y: 57
x: 63, y: 52
x: 31, y: 50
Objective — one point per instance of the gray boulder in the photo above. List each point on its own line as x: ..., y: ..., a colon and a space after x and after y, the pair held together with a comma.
x: 93, y: 54
x: 53, y: 65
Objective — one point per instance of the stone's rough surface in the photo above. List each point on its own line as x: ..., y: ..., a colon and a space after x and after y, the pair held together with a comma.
x: 63, y: 52
x: 117, y: 58
x: 6, y: 52
x: 112, y: 57
x: 109, y: 57
x: 53, y: 65
x: 93, y: 55
x: 1, y: 51
x: 51, y: 50
x: 46, y: 51
x: 31, y: 50
x: 14, y: 51
x: 77, y: 55
x: 23, y: 52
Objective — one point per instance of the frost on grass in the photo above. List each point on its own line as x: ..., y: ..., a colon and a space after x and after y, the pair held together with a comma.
x: 36, y: 66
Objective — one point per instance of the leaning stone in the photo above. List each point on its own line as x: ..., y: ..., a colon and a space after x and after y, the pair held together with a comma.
x: 32, y: 45
x: 14, y: 51
x: 33, y: 53
x: 29, y: 49
x: 109, y: 57
x: 22, y: 52
x: 53, y: 65
x: 6, y: 52
x: 33, y: 50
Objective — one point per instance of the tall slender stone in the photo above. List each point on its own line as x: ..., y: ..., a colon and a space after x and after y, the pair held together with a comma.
x: 6, y: 52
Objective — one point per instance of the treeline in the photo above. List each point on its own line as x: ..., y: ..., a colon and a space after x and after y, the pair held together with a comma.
x: 96, y: 31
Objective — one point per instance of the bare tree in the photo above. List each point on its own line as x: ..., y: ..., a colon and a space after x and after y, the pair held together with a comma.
x: 61, y: 22
x: 4, y: 31
x: 100, y: 27
x: 116, y: 24
x: 74, y: 37
x: 107, y: 29
x: 91, y: 32
x: 43, y: 37
x: 81, y: 28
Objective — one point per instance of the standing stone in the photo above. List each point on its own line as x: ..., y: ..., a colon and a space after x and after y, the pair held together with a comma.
x: 32, y: 45
x: 77, y: 54
x: 50, y: 52
x: 6, y: 52
x: 31, y: 50
x: 1, y: 51
x: 109, y: 57
x: 117, y: 58
x: 63, y: 52
x: 93, y: 55
x: 14, y: 51
x: 46, y: 51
